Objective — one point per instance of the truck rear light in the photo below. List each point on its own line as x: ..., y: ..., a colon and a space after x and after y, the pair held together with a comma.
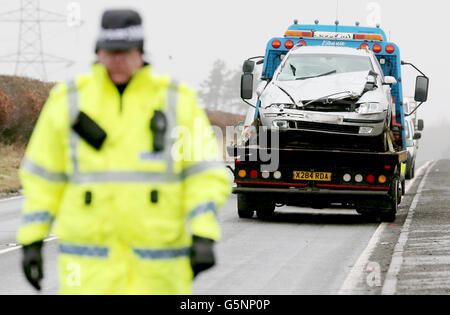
x: 382, y: 179
x: 377, y: 48
x: 276, y: 43
x: 242, y: 173
x: 359, y: 178
x: 253, y: 174
x: 302, y: 43
x: 347, y: 178
x: 364, y: 46
x: 289, y: 44
x: 370, y: 179
x: 390, y: 49
x: 387, y: 167
x: 265, y: 175
x: 277, y: 175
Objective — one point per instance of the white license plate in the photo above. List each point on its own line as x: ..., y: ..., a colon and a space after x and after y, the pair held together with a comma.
x: 320, y: 118
x: 316, y: 176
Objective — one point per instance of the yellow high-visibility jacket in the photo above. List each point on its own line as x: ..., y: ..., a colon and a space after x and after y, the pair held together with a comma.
x: 124, y: 215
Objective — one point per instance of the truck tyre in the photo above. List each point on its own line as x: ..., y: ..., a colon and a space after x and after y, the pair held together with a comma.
x: 245, y: 207
x: 388, y: 215
x: 410, y: 168
x: 265, y: 210
x: 368, y: 215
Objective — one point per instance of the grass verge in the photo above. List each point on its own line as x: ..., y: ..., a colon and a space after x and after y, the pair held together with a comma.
x: 10, y: 159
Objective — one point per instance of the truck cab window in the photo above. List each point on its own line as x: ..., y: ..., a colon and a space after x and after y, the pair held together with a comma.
x: 318, y: 64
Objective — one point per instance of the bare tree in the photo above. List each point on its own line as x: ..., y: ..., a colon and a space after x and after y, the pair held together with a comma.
x: 220, y: 91
x: 211, y: 89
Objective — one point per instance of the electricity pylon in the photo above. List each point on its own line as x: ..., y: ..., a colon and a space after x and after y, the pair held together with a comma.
x: 30, y: 59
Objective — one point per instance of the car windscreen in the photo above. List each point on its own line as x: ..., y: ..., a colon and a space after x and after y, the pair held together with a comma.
x: 305, y: 66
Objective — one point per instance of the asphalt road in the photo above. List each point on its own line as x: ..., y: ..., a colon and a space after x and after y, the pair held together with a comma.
x: 299, y: 251
x: 12, y: 279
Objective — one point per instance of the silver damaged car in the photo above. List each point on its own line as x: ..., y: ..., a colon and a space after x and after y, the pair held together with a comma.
x: 322, y: 96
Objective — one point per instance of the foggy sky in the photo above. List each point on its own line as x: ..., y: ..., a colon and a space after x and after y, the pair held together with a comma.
x: 185, y: 37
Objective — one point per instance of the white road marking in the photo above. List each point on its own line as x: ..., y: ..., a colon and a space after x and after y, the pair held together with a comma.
x: 358, y: 270
x: 390, y: 283
x: 4, y: 251
x: 10, y: 198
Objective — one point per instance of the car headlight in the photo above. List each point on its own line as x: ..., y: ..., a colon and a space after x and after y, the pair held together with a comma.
x: 365, y: 130
x: 280, y: 124
x: 370, y: 108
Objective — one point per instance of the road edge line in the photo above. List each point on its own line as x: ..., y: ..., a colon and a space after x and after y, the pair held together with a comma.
x: 356, y: 273
x: 11, y: 198
x: 390, y: 282
x: 7, y: 250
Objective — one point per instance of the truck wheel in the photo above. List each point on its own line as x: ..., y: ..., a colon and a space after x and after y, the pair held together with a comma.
x: 245, y: 207
x: 265, y: 210
x: 368, y: 215
x: 389, y: 215
x: 409, y: 169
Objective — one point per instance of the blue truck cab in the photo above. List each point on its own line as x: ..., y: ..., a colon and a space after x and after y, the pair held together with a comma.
x: 324, y: 176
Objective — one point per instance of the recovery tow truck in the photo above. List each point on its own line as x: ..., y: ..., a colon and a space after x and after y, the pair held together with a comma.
x: 270, y: 172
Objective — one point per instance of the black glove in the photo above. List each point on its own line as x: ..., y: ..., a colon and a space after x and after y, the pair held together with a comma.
x: 32, y: 264
x: 202, y: 254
